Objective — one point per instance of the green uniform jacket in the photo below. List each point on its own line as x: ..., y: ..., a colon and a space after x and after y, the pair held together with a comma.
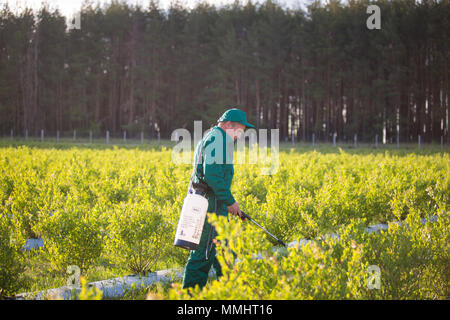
x: 217, y: 168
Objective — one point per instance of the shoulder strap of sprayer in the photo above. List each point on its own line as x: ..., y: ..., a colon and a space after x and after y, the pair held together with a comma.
x: 195, y: 170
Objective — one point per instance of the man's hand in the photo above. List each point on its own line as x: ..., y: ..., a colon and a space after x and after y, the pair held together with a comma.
x: 235, y: 210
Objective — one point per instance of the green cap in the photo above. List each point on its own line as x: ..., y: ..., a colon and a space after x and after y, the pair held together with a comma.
x: 235, y: 115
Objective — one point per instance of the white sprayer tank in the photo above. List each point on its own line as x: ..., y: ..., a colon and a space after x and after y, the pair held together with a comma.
x: 192, y: 219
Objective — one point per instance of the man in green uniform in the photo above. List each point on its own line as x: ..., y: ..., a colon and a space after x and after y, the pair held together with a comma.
x: 215, y: 168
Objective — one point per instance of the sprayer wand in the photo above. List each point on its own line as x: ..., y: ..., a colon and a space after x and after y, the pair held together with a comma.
x: 246, y: 216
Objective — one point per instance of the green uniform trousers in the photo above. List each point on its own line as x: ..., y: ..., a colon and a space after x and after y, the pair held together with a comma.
x: 198, y: 265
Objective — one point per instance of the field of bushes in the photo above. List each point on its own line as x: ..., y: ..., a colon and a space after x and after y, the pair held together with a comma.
x: 113, y: 211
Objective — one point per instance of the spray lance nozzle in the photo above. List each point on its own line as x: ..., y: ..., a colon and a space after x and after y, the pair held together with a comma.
x: 245, y: 216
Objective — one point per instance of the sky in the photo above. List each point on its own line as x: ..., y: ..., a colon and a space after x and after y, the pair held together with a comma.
x: 69, y: 7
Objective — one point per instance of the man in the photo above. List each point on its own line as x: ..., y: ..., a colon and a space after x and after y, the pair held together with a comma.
x: 215, y: 168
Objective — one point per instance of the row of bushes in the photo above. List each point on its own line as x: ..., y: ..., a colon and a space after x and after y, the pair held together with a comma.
x: 118, y: 208
x: 409, y: 261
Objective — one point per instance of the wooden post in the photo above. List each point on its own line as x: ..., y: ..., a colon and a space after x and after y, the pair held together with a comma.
x: 90, y: 136
x: 334, y: 139
x: 107, y: 137
x: 418, y: 140
x: 42, y: 135
x: 12, y: 134
x: 376, y: 141
x: 142, y: 137
x: 159, y: 137
x: 26, y: 134
x: 313, y: 137
x: 74, y: 135
x: 355, y: 140
x: 125, y: 136
x: 57, y: 136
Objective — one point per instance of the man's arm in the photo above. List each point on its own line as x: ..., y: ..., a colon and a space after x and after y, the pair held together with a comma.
x: 215, y: 178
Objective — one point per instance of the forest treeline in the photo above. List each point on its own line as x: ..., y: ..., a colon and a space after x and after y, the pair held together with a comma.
x: 320, y: 71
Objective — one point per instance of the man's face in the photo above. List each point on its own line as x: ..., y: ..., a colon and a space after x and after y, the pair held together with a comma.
x: 235, y: 130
